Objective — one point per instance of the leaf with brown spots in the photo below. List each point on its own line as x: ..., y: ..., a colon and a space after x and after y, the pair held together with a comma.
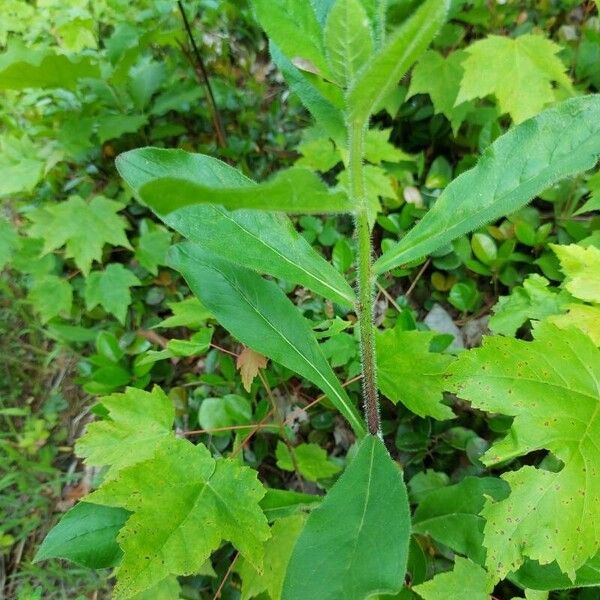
x: 552, y: 387
x: 248, y: 363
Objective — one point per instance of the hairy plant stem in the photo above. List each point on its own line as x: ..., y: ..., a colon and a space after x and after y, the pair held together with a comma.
x: 365, y: 278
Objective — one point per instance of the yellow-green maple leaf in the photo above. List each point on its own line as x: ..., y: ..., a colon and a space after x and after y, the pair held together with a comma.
x: 519, y: 72
x: 466, y: 580
x: 139, y: 423
x: 184, y: 504
x: 82, y: 227
x: 552, y: 387
x: 584, y: 317
x: 582, y: 269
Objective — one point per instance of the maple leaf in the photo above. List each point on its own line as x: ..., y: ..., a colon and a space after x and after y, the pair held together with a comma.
x: 110, y: 289
x: 440, y: 77
x: 248, y: 363
x: 519, y: 72
x: 584, y: 317
x: 139, y: 422
x: 51, y: 296
x: 409, y: 373
x: 534, y: 300
x: 82, y: 227
x: 310, y: 459
x: 582, y: 269
x: 552, y: 387
x: 184, y: 504
x: 467, y: 580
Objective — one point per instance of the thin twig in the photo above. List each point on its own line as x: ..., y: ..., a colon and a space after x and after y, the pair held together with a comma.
x: 225, y: 429
x: 247, y: 439
x: 389, y: 297
x: 416, y: 279
x: 222, y: 584
x: 202, y: 76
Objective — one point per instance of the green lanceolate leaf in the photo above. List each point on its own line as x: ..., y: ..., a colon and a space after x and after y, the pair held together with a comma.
x: 551, y: 387
x: 268, y: 243
x: 258, y: 313
x: 139, y: 423
x: 339, y: 552
x: 182, y: 178
x: 312, y: 94
x: 402, y: 49
x: 466, y: 580
x: 348, y: 40
x: 409, y: 373
x: 560, y: 142
x: 294, y: 27
x: 86, y: 535
x: 184, y: 503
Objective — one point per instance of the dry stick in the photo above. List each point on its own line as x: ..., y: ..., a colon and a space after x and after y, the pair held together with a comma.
x: 389, y: 297
x: 416, y: 279
x: 202, y: 75
x: 247, y: 439
x: 222, y: 584
x: 224, y: 429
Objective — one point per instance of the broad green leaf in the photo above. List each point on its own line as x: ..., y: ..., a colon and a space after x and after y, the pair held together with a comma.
x: 111, y: 290
x: 82, y: 227
x: 282, y: 503
x: 312, y: 461
x: 111, y: 127
x: 466, y: 580
x: 585, y: 318
x: 534, y: 300
x: 409, y: 373
x: 87, y: 536
x: 560, y: 142
x: 348, y: 40
x: 551, y: 386
x: 327, y: 114
x: 258, y: 314
x: 22, y: 67
x: 278, y: 549
x: 229, y: 410
x: 518, y: 71
x: 294, y: 27
x: 440, y: 77
x: 338, y: 554
x: 8, y: 242
x: 181, y: 179
x: 389, y: 65
x: 139, y: 423
x: 188, y: 313
x: 184, y: 504
x: 549, y: 577
x: 270, y: 245
x: 51, y: 296
x: 450, y: 514
x: 582, y: 269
